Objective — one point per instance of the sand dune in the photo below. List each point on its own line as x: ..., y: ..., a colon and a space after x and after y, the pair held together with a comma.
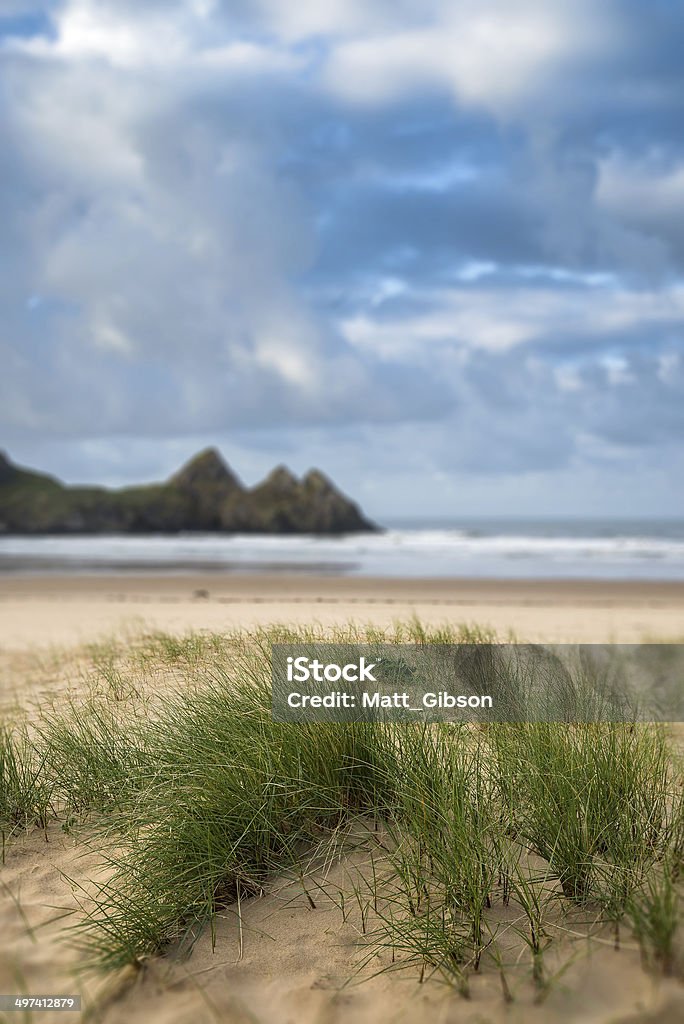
x: 280, y: 960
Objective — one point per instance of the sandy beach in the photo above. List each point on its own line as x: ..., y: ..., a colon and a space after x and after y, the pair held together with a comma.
x: 280, y: 960
x: 42, y: 611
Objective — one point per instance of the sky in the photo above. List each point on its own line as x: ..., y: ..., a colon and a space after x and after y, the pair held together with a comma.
x: 434, y: 247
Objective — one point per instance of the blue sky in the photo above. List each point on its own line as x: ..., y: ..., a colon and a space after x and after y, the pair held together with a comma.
x: 435, y: 247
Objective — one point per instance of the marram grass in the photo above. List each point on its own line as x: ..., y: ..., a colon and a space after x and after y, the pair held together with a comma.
x: 175, y: 765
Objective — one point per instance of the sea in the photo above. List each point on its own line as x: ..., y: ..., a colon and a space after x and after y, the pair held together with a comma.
x: 502, y: 548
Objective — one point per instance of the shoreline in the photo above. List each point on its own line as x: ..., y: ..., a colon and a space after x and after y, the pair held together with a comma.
x: 54, y: 609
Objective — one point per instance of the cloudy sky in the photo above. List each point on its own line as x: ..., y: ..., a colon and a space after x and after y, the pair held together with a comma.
x: 435, y: 247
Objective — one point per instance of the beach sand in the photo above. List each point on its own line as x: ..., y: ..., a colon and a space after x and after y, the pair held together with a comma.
x: 283, y: 962
x: 40, y: 611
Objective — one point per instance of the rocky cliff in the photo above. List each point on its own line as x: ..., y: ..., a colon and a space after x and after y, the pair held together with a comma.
x: 205, y: 495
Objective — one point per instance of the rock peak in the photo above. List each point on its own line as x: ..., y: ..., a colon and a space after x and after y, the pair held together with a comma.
x: 207, y: 467
x: 318, y: 481
x: 282, y: 479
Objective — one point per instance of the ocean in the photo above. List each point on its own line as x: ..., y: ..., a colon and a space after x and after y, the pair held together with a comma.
x: 483, y: 548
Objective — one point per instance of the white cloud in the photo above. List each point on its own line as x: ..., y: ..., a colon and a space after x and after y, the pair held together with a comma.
x: 85, y: 31
x: 485, y: 52
x: 500, y: 319
x: 493, y: 53
x: 76, y: 126
x: 162, y: 228
x: 167, y: 39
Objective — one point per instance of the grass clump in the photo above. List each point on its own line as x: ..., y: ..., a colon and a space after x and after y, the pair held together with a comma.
x: 443, y: 832
x: 25, y: 792
x: 532, y: 818
x: 94, y: 755
x: 654, y: 912
x: 586, y: 798
x: 229, y: 796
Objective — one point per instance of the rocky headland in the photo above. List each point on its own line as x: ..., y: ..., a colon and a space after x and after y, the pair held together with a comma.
x: 204, y: 495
